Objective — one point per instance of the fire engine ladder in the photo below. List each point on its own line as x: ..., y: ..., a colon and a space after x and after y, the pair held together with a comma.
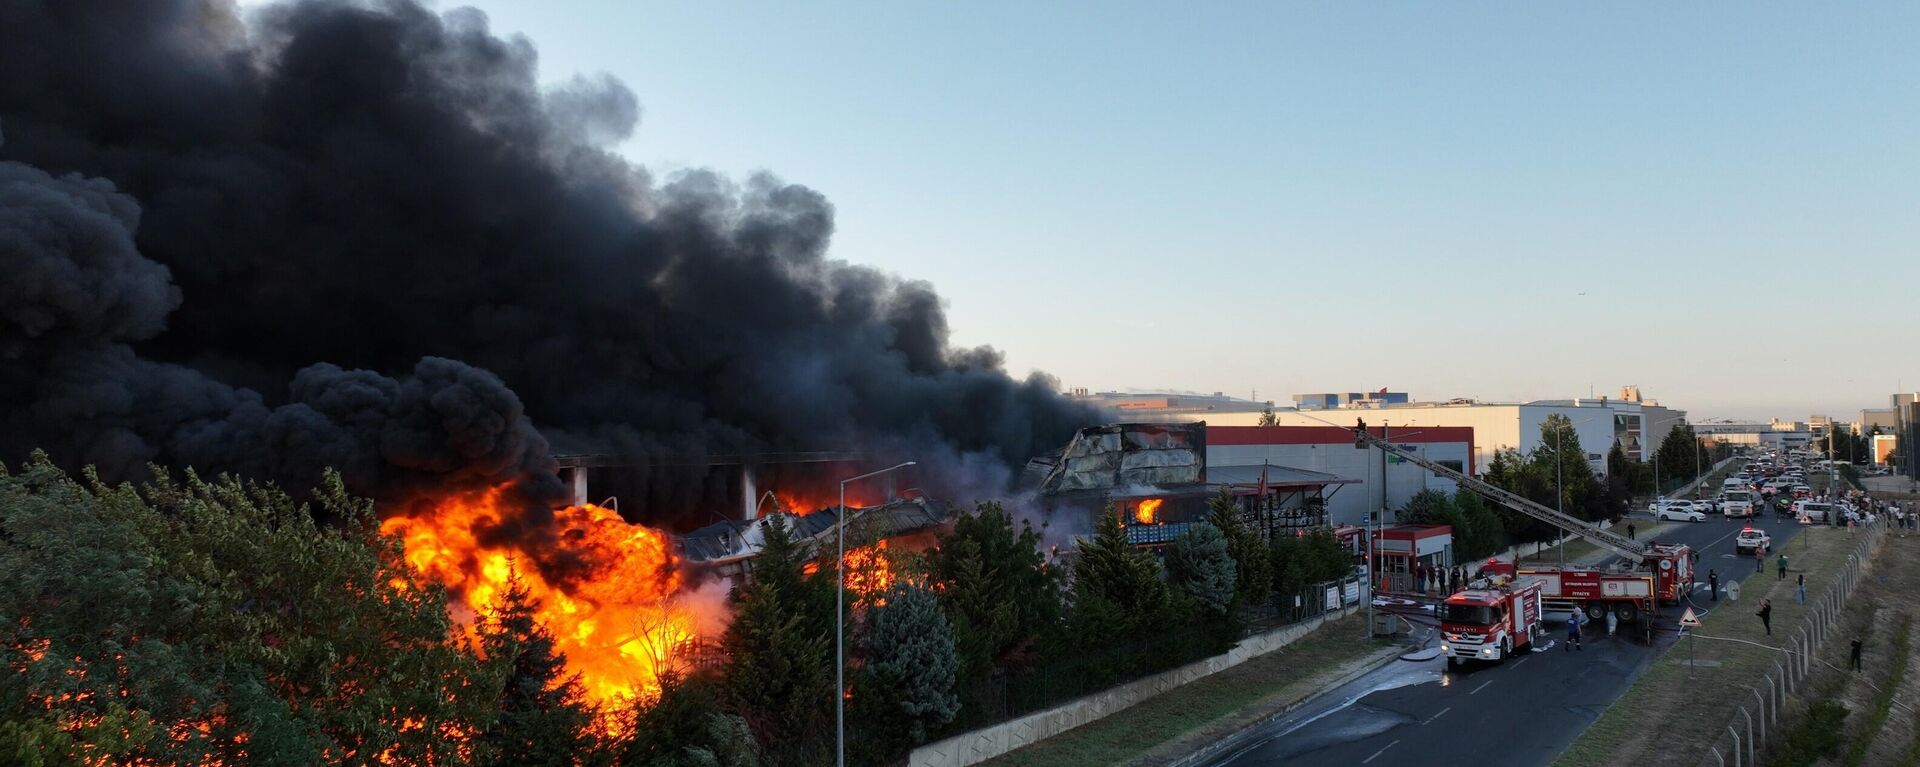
x: 1633, y: 550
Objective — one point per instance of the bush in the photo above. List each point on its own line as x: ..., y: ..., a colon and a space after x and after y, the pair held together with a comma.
x: 1817, y: 737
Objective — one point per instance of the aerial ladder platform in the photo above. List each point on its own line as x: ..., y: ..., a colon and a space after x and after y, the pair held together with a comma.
x: 1632, y: 550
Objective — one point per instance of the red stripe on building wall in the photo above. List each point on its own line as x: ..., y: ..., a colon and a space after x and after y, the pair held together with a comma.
x: 1332, y: 435
x: 1326, y: 435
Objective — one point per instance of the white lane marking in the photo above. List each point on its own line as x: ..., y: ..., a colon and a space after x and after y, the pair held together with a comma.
x: 1516, y: 664
x: 1376, y: 754
x: 1483, y: 685
x: 1437, y: 716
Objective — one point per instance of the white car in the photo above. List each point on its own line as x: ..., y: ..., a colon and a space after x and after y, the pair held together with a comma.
x: 1750, y: 539
x: 1679, y: 511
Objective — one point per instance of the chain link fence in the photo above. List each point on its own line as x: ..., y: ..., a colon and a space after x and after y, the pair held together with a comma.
x: 1756, y: 722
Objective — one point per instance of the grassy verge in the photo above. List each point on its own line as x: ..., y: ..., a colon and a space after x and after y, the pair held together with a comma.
x: 1885, y: 729
x: 1210, y: 708
x: 1883, y: 698
x: 1816, y: 737
x: 1691, y: 704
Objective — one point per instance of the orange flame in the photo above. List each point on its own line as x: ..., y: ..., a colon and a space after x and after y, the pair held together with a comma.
x: 869, y: 569
x: 618, y: 623
x: 1148, y: 511
x: 798, y: 502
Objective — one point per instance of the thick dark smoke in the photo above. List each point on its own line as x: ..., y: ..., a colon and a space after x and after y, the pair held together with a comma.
x: 363, y: 235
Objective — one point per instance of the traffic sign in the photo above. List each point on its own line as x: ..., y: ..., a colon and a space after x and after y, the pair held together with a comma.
x: 1689, y: 619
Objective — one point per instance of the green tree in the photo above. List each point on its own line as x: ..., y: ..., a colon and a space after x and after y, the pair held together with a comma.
x: 999, y: 594
x: 542, y: 717
x: 1110, y: 574
x: 1201, y: 566
x: 1484, y: 534
x: 1617, y: 491
x: 780, y: 671
x: 1431, y: 507
x: 1512, y: 472
x: 1124, y: 620
x: 686, y: 727
x: 195, y: 622
x: 1679, y: 456
x: 1252, y: 566
x: 905, y: 691
x: 1304, y: 560
x: 1561, y: 459
x: 1267, y: 418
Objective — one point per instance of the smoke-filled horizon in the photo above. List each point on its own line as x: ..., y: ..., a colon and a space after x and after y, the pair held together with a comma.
x: 362, y: 235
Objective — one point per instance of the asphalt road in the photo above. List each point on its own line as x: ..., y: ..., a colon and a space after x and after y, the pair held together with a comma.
x: 1523, y: 711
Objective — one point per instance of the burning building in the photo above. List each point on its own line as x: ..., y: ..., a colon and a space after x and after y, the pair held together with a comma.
x: 1157, y: 477
x: 278, y: 239
x: 727, y: 549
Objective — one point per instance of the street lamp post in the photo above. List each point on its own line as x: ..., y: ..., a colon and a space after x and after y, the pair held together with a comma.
x: 1560, y: 486
x: 839, y: 619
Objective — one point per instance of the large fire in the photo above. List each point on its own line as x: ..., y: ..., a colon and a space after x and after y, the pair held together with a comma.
x: 1148, y: 511
x: 802, y: 502
x: 618, y: 622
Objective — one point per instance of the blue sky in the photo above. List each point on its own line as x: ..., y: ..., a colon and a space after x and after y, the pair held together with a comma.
x: 1716, y: 202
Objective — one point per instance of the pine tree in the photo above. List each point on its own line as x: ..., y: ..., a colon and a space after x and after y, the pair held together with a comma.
x: 905, y: 691
x: 1112, y: 571
x: 542, y: 719
x: 1200, y: 565
x: 1252, y: 567
x: 215, y: 622
x: 780, y: 652
x: 686, y: 727
x: 1000, y: 595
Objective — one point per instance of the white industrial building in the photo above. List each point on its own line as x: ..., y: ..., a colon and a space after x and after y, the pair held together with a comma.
x: 1638, y: 425
x: 1330, y: 451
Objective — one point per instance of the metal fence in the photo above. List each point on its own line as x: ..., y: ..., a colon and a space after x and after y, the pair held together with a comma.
x: 1308, y: 603
x: 1756, y: 721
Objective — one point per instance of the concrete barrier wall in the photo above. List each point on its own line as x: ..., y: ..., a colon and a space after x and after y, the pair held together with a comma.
x: 986, y: 743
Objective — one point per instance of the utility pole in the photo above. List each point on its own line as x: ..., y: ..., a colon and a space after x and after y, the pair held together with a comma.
x: 1560, y: 485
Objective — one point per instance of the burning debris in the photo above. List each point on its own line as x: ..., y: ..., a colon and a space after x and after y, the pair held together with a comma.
x: 362, y: 236
x: 614, y: 604
x: 726, y: 549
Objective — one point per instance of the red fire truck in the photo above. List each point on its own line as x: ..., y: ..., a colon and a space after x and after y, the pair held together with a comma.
x: 1647, y: 575
x: 1629, y: 592
x: 1491, y: 623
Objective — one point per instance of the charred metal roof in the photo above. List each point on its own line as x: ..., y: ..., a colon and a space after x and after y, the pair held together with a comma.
x: 734, y: 540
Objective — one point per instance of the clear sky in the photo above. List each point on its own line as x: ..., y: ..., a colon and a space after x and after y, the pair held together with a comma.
x: 1716, y: 202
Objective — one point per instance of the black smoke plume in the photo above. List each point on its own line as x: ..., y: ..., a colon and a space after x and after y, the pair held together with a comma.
x: 363, y: 235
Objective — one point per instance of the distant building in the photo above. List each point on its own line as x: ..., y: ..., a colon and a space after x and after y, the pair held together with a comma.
x: 1500, y: 426
x: 1329, y: 451
x: 1906, y: 422
x: 1169, y: 407
x: 1636, y: 423
x: 1772, y: 435
x: 1882, y: 447
x: 1328, y: 401
x: 1884, y: 419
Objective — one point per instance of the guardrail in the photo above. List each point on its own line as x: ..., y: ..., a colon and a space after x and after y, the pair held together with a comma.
x: 1747, y: 733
